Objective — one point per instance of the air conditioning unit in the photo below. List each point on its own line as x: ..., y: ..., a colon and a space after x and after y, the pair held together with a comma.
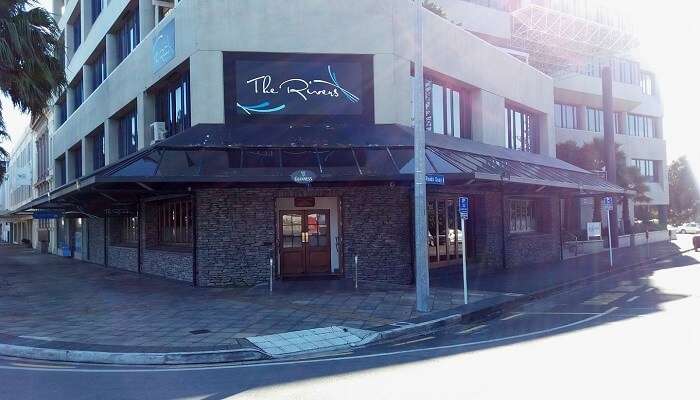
x: 158, y: 130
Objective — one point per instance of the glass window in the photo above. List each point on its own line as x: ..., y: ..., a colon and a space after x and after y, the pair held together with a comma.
x: 96, y: 9
x: 128, y: 135
x: 521, y: 130
x: 565, y: 116
x: 338, y: 162
x: 61, y: 171
x: 98, y: 149
x: 77, y: 94
x: 99, y: 70
x: 595, y: 119
x: 128, y: 230
x: 444, y: 230
x: 647, y: 83
x: 443, y: 108
x: 128, y: 36
x: 78, y: 162
x: 62, y: 113
x: 375, y: 161
x: 77, y: 34
x: 175, y: 222
x: 640, y: 125
x: 173, y: 105
x: 522, y: 216
x: 648, y: 169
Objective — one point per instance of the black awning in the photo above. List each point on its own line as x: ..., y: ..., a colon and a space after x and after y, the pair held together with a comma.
x: 274, y: 154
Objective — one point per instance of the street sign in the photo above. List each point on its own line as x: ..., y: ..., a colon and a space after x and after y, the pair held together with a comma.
x: 433, y: 179
x: 464, y: 207
x: 46, y: 214
x: 608, y: 202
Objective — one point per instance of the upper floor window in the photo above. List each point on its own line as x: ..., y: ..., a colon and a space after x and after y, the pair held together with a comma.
x: 565, y: 116
x: 128, y: 35
x: 99, y: 70
x: 443, y: 109
x: 648, y: 169
x: 62, y: 111
x: 77, y: 155
x: 77, y: 34
x: 61, y: 171
x: 98, y: 149
x: 77, y: 94
x: 173, y: 104
x: 128, y: 134
x: 521, y: 130
x: 647, y: 83
x: 97, y: 6
x: 42, y: 153
x: 640, y: 125
x: 595, y: 121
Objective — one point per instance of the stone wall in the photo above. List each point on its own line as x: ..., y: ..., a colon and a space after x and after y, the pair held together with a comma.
x: 125, y: 258
x: 542, y: 246
x: 168, y: 263
x: 96, y: 240
x: 236, y: 226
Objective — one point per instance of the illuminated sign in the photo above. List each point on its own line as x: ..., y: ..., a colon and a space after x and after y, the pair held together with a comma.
x: 303, y: 86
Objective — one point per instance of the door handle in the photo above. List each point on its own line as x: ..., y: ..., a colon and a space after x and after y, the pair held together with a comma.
x: 305, y: 237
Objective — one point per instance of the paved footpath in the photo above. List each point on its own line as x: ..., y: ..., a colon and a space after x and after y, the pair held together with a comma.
x: 52, y: 302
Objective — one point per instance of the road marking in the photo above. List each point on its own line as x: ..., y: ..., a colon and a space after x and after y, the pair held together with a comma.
x: 413, y: 341
x: 604, y: 299
x: 512, y: 316
x: 560, y: 313
x: 316, y: 361
x: 472, y: 329
x: 631, y: 299
x: 651, y: 289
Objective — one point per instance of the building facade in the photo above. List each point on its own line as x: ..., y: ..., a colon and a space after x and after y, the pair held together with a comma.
x: 578, y: 102
x: 280, y: 144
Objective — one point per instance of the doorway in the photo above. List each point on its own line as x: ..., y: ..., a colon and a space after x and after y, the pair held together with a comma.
x: 305, y: 243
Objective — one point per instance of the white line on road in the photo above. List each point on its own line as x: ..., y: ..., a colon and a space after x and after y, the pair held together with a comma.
x: 315, y: 361
x: 512, y: 316
x: 413, y: 341
x: 560, y: 313
x: 651, y: 289
x: 472, y: 329
x: 631, y: 299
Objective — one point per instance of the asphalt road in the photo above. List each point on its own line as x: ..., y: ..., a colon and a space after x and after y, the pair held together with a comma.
x: 633, y: 336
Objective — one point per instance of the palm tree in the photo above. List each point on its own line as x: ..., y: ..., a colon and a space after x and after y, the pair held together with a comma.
x: 31, y: 58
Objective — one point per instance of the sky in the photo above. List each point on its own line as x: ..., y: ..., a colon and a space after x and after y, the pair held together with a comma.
x: 668, y: 34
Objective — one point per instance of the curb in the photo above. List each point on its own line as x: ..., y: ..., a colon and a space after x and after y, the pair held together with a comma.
x: 101, y: 357
x: 499, y: 305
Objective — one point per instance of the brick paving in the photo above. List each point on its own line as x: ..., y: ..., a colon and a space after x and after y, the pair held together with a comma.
x: 46, y: 297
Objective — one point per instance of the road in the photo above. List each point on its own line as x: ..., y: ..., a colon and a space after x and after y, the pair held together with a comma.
x: 635, y: 335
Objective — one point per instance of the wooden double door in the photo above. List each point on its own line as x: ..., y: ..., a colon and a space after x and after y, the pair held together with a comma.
x: 305, y: 243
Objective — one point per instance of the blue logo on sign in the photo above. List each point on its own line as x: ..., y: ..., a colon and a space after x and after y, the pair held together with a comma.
x: 164, y: 46
x: 464, y: 207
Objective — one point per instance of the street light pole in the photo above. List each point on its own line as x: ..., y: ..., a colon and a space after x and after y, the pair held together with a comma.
x: 419, y: 202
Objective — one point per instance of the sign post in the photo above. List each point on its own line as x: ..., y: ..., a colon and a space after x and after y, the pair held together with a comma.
x: 608, y: 202
x: 464, y: 215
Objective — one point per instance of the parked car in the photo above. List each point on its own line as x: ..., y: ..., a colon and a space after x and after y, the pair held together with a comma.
x: 690, y: 227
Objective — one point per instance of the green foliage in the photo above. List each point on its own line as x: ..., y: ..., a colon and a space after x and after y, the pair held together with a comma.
x: 435, y: 8
x: 683, y: 191
x: 591, y: 156
x: 31, y: 61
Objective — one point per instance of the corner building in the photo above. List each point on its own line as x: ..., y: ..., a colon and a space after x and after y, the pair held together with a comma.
x: 198, y: 141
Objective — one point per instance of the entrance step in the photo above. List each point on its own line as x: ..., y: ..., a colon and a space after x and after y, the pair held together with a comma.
x: 312, y: 340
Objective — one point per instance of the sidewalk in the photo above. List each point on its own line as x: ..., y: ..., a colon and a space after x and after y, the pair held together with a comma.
x: 61, y: 309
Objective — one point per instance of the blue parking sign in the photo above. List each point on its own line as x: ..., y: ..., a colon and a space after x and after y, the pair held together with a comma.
x: 464, y: 207
x: 608, y: 202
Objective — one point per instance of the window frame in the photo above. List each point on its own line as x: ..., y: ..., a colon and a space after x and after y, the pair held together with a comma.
x: 527, y: 219
x: 175, y: 223
x: 128, y: 35
x: 448, y: 90
x: 127, y: 147
x: 166, y: 99
x: 526, y: 138
x: 561, y: 114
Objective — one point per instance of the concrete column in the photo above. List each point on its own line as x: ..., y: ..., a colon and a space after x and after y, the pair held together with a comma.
x: 87, y: 152
x: 87, y: 81
x: 547, y: 139
x: 581, y: 118
x: 145, y: 116
x: 488, y: 122
x: 85, y: 17
x: 147, y: 17
x: 659, y: 127
x: 207, y: 87
x: 111, y: 52
x: 111, y: 141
